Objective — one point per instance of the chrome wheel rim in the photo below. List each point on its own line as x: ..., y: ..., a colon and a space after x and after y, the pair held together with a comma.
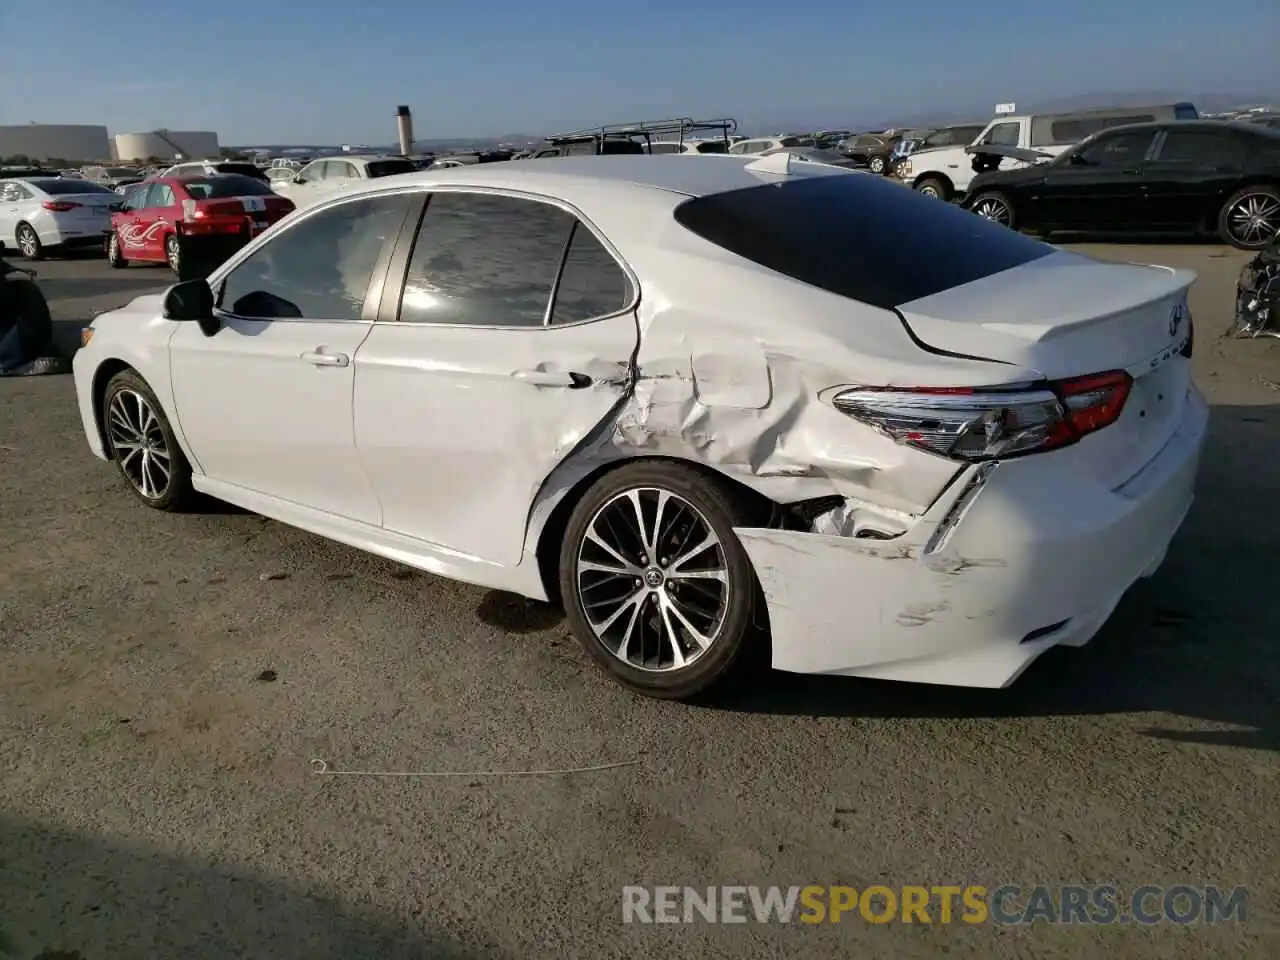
x: 113, y: 248
x: 997, y: 211
x: 877, y: 165
x: 139, y: 444
x: 929, y: 191
x: 653, y: 580
x: 171, y: 251
x: 1254, y: 218
x: 27, y: 242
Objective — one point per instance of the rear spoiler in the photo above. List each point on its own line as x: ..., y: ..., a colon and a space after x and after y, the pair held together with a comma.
x: 1013, y: 153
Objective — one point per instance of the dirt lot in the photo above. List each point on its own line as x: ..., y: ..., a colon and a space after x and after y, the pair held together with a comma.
x: 165, y: 683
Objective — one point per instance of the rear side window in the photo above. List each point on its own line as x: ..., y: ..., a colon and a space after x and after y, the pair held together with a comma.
x: 389, y: 168
x: 1202, y: 147
x: 230, y: 185
x: 858, y: 236
x: 591, y: 282
x: 712, y: 146
x: 484, y: 260
x: 612, y: 147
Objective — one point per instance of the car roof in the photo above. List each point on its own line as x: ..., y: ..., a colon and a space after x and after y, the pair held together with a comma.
x: 673, y: 173
x: 1251, y: 128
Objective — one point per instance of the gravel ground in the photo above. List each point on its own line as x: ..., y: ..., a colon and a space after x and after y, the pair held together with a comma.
x: 165, y: 683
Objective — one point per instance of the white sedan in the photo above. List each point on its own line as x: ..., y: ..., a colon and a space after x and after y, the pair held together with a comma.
x: 332, y: 175
x: 41, y: 214
x: 707, y: 406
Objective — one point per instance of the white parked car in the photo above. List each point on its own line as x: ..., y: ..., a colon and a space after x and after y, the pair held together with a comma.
x: 752, y: 145
x: 704, y: 146
x: 212, y: 168
x: 277, y: 176
x: 42, y: 214
x: 661, y: 392
x: 322, y: 178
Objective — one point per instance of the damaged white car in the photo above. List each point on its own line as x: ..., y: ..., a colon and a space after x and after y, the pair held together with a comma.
x: 707, y: 405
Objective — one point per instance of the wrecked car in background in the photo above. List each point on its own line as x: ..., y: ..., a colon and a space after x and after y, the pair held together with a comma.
x: 657, y: 391
x: 1258, y: 295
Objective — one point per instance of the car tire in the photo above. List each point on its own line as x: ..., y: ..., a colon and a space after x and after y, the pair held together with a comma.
x: 141, y: 442
x: 1250, y: 219
x: 933, y: 187
x: 994, y: 206
x: 646, y: 610
x: 29, y: 244
x: 115, y: 252
x: 173, y: 254
x: 876, y: 165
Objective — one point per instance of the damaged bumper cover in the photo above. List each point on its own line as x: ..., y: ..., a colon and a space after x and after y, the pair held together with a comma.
x: 1016, y: 558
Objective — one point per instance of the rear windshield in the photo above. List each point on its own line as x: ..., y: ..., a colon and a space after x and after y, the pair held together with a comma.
x: 226, y: 185
x: 62, y: 187
x: 858, y: 236
x: 388, y: 168
x: 243, y: 169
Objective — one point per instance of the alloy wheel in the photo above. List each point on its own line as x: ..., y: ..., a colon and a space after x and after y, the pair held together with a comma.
x: 653, y: 580
x: 138, y: 441
x: 28, y: 242
x: 172, y: 253
x: 1253, y: 218
x: 993, y: 209
x: 877, y: 165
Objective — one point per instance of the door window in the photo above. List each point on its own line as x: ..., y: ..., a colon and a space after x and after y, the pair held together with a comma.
x: 339, y: 170
x: 1116, y: 149
x: 12, y: 193
x: 484, y: 259
x: 320, y: 269
x: 1003, y: 134
x: 161, y: 195
x: 312, y: 171
x: 591, y: 282
x: 1202, y: 148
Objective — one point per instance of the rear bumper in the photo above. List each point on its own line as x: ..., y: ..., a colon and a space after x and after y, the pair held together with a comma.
x: 1002, y: 568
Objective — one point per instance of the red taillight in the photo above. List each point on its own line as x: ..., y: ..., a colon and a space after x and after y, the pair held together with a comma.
x: 985, y: 423
x: 59, y: 206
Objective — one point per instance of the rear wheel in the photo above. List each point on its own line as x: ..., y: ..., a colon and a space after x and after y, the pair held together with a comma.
x: 29, y: 244
x: 876, y: 164
x: 115, y: 255
x: 143, y: 446
x: 1250, y: 219
x: 656, y: 585
x: 994, y: 206
x: 172, y: 253
x: 933, y: 187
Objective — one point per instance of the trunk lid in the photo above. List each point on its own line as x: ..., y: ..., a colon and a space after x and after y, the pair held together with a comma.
x: 1063, y: 315
x: 1067, y: 316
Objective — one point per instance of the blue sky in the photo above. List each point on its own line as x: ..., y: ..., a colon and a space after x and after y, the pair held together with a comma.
x: 334, y: 70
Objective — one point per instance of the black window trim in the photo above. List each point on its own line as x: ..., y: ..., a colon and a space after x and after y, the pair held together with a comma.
x: 377, y: 281
x: 398, y: 265
x: 1155, y: 154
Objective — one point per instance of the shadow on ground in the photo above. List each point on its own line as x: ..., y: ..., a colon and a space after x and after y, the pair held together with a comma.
x: 71, y: 897
x: 1197, y: 641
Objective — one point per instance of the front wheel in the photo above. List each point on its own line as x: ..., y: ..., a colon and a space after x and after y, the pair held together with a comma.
x: 994, y: 206
x: 934, y: 188
x: 143, y: 446
x: 876, y: 165
x: 657, y: 587
x: 1250, y: 219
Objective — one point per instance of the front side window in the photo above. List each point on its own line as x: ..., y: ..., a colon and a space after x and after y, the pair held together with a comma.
x: 1003, y: 135
x: 313, y: 171
x: 1115, y: 149
x: 319, y: 269
x: 484, y: 260
x: 161, y: 195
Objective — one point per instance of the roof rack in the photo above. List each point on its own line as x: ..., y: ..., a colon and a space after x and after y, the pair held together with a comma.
x: 680, y: 127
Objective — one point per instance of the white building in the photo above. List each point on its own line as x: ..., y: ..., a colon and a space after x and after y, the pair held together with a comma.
x: 166, y: 145
x: 70, y: 142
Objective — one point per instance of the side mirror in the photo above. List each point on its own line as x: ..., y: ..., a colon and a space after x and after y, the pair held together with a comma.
x: 192, y: 300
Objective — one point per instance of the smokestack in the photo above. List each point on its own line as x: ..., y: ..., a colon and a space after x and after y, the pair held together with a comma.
x: 404, y: 126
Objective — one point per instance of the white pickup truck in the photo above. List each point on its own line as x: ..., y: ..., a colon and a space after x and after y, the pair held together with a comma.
x: 1018, y: 141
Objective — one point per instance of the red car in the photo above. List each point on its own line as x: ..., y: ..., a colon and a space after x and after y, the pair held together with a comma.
x: 155, y: 215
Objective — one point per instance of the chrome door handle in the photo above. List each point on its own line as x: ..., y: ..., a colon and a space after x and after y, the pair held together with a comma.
x: 547, y: 378
x: 321, y: 359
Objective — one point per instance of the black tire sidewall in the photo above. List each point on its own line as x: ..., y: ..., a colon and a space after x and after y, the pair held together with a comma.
x: 179, y: 493
x: 724, y: 510
x: 939, y: 188
x: 39, y: 247
x: 1224, y: 231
